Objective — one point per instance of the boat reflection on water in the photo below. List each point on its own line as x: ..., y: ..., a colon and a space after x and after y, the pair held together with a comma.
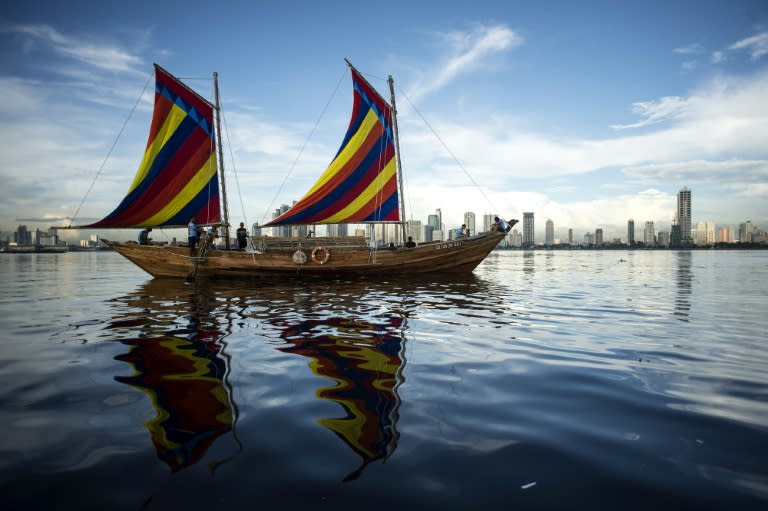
x: 180, y: 363
x: 365, y: 359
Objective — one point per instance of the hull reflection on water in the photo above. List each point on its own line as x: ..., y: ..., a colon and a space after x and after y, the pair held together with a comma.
x: 365, y: 359
x: 183, y: 370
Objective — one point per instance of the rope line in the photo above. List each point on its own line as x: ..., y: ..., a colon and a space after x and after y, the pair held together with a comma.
x: 232, y: 159
x: 114, y: 143
x: 306, y: 142
x: 445, y: 146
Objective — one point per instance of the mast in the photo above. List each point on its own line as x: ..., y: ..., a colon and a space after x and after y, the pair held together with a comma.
x: 397, y: 156
x: 217, y: 109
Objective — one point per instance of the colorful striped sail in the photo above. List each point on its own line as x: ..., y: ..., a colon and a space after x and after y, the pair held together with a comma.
x: 360, y: 184
x: 177, y: 178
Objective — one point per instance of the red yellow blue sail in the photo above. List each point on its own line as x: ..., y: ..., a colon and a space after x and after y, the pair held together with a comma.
x: 360, y: 184
x: 178, y: 177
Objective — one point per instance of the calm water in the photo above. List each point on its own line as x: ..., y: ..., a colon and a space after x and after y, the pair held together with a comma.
x: 609, y: 380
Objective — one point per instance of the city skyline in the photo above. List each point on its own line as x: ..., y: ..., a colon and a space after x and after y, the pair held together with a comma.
x: 590, y: 117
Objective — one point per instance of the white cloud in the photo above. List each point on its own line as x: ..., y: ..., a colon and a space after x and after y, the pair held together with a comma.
x: 726, y: 119
x: 689, y: 65
x: 655, y: 111
x: 718, y: 57
x: 756, y: 45
x: 699, y: 171
x: 754, y: 191
x: 691, y: 49
x: 467, y: 51
x: 99, y: 55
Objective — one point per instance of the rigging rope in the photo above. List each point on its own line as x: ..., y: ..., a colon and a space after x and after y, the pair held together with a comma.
x: 450, y: 152
x: 109, y: 153
x: 232, y: 158
x: 306, y: 142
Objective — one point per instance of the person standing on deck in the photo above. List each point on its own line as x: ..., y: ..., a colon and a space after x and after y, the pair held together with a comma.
x: 242, y: 234
x: 192, y: 236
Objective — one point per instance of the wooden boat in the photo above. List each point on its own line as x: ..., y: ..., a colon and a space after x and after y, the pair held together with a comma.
x: 181, y: 176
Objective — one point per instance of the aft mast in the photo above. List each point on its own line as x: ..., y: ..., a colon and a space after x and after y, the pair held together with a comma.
x: 397, y: 155
x: 217, y: 109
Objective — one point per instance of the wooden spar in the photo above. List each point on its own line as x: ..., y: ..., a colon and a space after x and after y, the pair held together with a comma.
x: 217, y: 109
x: 397, y: 157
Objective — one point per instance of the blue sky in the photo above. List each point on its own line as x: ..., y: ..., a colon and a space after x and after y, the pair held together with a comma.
x: 586, y: 113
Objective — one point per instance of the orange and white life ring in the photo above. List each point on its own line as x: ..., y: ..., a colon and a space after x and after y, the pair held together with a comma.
x: 320, y: 255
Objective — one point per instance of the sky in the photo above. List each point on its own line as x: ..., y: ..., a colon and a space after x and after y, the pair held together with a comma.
x: 586, y: 113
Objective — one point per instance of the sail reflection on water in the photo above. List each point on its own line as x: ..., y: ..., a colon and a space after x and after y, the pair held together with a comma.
x: 183, y: 371
x: 365, y: 359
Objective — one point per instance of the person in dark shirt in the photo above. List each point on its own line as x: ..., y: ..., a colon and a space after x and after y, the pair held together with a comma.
x: 144, y: 238
x: 410, y: 243
x: 242, y: 235
x: 192, y: 236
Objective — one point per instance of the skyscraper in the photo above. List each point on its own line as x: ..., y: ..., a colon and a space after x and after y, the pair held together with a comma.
x: 469, y: 219
x: 528, y: 240
x: 488, y: 221
x: 549, y: 233
x: 631, y: 232
x: 684, y: 214
x: 649, y: 234
x: 598, y: 236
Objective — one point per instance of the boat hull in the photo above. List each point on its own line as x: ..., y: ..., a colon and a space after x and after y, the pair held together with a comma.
x: 278, y: 258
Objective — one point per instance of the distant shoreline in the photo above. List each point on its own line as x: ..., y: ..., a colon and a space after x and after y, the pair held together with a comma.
x: 724, y: 246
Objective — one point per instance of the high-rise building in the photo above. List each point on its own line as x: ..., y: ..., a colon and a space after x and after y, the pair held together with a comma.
x: 724, y: 235
x: 488, y: 221
x: 700, y: 234
x: 434, y: 222
x: 281, y: 230
x: 22, y: 236
x: 528, y: 239
x: 631, y: 232
x: 570, y: 236
x: 649, y: 234
x: 469, y: 219
x: 337, y: 230
x: 684, y: 214
x: 598, y: 236
x: 413, y: 228
x: 674, y: 236
x: 549, y: 233
x: 747, y: 232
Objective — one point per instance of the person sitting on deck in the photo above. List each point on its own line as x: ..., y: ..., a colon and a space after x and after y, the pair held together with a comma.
x: 392, y: 246
x: 144, y: 238
x: 462, y: 232
x: 410, y: 243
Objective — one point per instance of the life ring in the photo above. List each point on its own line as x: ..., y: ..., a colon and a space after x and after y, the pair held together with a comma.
x: 299, y: 257
x: 320, y: 255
